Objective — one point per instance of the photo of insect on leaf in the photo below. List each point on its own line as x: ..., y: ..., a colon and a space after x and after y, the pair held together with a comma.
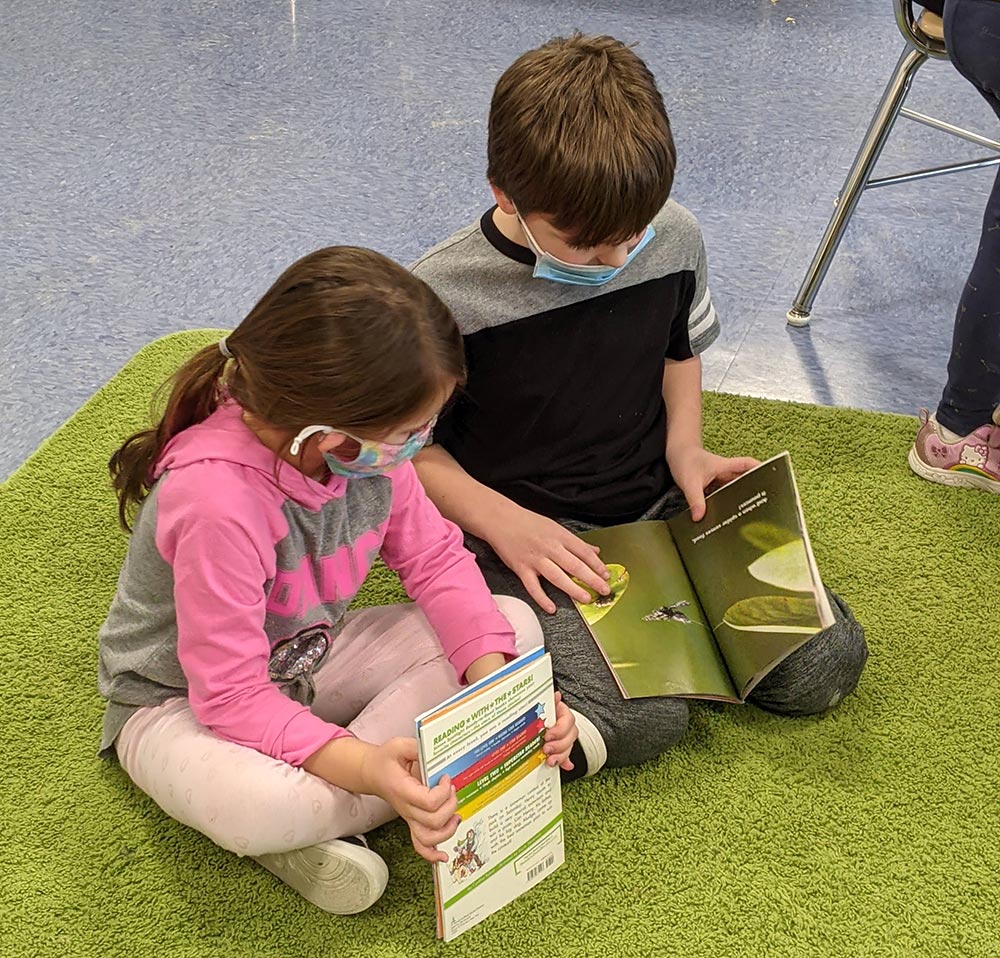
x: 600, y: 605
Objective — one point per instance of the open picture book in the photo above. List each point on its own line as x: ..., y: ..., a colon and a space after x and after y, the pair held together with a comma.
x: 707, y: 609
x: 488, y: 739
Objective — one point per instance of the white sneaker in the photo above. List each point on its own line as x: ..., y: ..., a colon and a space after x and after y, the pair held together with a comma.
x: 343, y: 876
x: 592, y: 743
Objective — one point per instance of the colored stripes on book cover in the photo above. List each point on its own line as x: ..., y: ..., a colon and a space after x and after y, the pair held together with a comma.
x: 499, y: 763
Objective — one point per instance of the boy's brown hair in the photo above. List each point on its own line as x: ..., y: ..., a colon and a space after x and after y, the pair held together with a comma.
x: 578, y: 132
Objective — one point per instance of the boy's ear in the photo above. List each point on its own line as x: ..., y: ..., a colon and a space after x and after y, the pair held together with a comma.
x: 503, y: 200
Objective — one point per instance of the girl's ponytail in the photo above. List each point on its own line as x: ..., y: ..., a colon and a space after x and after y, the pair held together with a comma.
x: 344, y: 337
x: 194, y: 395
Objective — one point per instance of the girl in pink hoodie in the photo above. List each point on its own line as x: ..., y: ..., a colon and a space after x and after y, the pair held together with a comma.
x: 243, y: 697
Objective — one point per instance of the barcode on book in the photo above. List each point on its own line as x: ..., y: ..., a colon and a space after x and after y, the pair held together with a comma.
x: 540, y: 867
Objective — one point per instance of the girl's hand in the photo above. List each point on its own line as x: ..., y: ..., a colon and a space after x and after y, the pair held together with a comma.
x: 430, y: 812
x: 485, y: 664
x: 560, y: 737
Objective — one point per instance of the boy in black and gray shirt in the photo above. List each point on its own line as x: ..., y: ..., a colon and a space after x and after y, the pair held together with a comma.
x: 583, y: 300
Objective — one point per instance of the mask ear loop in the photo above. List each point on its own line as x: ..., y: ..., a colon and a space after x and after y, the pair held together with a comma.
x: 296, y: 445
x: 530, y: 237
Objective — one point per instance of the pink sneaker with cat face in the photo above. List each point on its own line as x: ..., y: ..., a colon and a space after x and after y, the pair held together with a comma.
x: 972, y: 461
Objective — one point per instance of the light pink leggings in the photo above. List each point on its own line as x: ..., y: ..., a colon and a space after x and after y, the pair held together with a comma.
x: 384, y: 669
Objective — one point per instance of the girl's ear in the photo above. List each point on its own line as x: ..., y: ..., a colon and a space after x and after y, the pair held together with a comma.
x: 503, y: 200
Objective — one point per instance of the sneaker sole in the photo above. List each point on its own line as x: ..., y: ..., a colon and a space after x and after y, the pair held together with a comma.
x: 336, y: 876
x: 951, y: 477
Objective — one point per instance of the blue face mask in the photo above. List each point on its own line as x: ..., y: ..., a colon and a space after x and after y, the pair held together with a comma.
x: 373, y: 458
x: 548, y: 266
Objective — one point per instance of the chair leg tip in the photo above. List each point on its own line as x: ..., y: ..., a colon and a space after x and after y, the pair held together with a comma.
x: 797, y: 316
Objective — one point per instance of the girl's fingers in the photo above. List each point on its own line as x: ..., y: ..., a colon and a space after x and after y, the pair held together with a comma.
x: 442, y: 792
x: 428, y: 801
x: 428, y: 852
x: 560, y: 737
x: 559, y: 755
x: 429, y: 837
x: 435, y: 820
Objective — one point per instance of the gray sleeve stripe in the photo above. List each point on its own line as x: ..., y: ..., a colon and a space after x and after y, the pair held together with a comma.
x: 697, y: 312
x: 705, y: 333
x: 710, y: 320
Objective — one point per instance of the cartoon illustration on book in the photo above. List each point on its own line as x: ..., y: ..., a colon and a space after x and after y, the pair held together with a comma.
x: 467, y: 860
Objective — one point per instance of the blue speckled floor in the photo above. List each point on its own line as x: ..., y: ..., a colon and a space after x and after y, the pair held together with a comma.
x: 161, y: 161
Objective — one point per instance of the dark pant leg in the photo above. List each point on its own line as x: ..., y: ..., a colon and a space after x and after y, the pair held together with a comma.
x: 817, y: 675
x: 634, y: 730
x: 972, y: 34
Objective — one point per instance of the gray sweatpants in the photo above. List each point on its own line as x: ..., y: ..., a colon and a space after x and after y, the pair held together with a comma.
x: 812, y: 679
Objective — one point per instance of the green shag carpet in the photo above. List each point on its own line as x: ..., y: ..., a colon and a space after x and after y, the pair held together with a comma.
x: 872, y: 831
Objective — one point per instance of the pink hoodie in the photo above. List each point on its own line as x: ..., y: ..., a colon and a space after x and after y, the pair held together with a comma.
x: 228, y: 561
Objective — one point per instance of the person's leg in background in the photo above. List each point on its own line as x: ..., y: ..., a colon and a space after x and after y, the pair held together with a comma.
x: 960, y: 445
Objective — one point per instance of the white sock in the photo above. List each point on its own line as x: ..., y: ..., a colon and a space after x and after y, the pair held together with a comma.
x: 592, y: 743
x: 946, y: 434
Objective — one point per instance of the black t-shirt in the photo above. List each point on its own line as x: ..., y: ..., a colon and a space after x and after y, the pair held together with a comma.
x: 563, y: 409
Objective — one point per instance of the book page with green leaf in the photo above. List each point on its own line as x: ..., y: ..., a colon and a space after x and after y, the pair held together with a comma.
x: 752, y: 567
x: 651, y: 629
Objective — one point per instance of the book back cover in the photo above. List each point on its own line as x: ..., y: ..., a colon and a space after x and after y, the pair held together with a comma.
x: 489, y: 739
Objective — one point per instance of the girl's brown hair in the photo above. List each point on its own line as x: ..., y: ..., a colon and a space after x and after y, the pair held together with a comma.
x: 578, y: 132
x: 345, y: 337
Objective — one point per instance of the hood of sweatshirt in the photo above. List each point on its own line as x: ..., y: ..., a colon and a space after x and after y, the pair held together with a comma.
x: 225, y: 437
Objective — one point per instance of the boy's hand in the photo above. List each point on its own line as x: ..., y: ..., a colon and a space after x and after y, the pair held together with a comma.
x: 694, y: 469
x: 430, y: 812
x: 535, y: 547
x: 559, y: 738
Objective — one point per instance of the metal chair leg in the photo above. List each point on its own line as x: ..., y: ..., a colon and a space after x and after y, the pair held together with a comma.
x: 857, y: 178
